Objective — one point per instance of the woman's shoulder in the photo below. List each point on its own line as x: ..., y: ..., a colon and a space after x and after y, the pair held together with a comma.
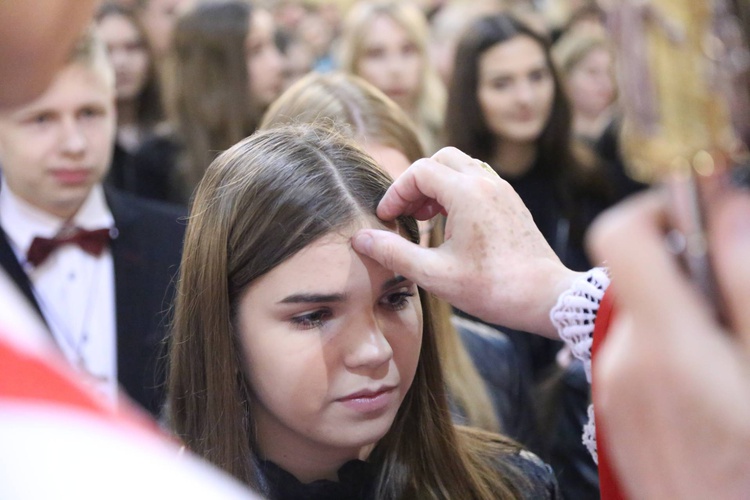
x: 542, y: 482
x: 530, y: 476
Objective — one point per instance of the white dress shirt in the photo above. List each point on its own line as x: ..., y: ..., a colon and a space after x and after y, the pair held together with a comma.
x: 75, y: 290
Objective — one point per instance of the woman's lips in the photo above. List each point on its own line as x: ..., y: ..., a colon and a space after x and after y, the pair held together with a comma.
x: 369, y: 401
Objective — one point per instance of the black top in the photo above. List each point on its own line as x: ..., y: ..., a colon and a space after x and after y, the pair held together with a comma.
x: 608, y: 149
x: 357, y: 481
x: 564, y: 235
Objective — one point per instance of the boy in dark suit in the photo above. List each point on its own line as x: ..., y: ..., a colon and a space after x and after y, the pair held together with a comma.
x: 97, y: 264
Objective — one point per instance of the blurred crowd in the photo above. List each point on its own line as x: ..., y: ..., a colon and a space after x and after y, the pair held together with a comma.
x: 528, y: 87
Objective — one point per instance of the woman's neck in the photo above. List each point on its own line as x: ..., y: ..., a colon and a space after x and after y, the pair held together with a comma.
x: 591, y: 126
x: 513, y: 159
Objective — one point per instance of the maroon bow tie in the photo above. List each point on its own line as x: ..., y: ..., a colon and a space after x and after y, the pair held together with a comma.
x: 92, y: 242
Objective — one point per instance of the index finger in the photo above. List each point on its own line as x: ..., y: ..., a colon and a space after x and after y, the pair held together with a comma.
x: 424, y: 190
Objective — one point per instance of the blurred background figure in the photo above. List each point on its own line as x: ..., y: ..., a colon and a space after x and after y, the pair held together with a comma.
x: 96, y: 263
x: 299, y: 58
x: 506, y: 106
x: 317, y: 30
x: 386, y: 43
x: 447, y: 26
x: 586, y: 63
x: 223, y: 71
x: 158, y: 18
x: 138, y: 100
x: 586, y: 66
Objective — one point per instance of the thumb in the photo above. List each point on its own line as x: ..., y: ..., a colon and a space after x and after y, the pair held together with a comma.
x: 396, y: 253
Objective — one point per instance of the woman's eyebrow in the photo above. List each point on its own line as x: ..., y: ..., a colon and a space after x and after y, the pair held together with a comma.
x: 396, y: 280
x: 313, y: 298
x: 318, y: 298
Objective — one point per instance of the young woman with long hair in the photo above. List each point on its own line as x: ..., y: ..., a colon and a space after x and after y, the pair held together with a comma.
x: 300, y: 367
x: 487, y: 388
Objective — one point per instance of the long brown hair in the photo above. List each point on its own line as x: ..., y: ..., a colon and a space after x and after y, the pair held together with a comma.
x: 465, y: 125
x: 259, y: 203
x: 207, y: 86
x: 349, y: 102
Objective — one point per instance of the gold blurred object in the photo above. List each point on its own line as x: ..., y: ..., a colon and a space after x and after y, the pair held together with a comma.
x: 683, y: 82
x: 680, y: 85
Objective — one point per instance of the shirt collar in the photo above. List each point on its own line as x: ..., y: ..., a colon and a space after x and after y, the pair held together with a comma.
x: 22, y: 222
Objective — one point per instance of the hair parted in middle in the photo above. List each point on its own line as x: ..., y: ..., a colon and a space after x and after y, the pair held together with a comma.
x: 261, y: 202
x: 350, y: 102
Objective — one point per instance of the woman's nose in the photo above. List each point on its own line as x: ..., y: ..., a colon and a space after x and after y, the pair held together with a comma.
x: 368, y: 346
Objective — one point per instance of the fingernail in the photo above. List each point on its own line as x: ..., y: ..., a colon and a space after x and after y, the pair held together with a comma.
x: 362, y: 242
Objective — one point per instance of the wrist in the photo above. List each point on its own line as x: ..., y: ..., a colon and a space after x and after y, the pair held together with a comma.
x: 575, y: 311
x: 557, y: 284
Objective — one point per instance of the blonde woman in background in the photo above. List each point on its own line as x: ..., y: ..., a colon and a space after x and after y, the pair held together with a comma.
x: 486, y: 386
x: 386, y: 43
x: 585, y: 62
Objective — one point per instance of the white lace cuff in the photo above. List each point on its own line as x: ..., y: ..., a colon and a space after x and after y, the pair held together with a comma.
x: 574, y: 316
x: 575, y: 313
x: 589, y: 435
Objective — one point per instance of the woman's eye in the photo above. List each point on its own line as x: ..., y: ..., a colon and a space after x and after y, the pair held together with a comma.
x: 409, y: 49
x: 42, y: 118
x: 311, y: 320
x: 500, y: 84
x: 374, y: 53
x: 397, y: 301
x: 538, y: 75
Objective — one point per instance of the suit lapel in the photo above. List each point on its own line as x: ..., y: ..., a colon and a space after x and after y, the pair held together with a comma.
x: 127, y: 257
x: 11, y: 265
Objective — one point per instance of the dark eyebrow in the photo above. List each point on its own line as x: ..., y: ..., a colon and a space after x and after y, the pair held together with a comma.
x: 396, y: 280
x: 320, y: 298
x: 313, y: 298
